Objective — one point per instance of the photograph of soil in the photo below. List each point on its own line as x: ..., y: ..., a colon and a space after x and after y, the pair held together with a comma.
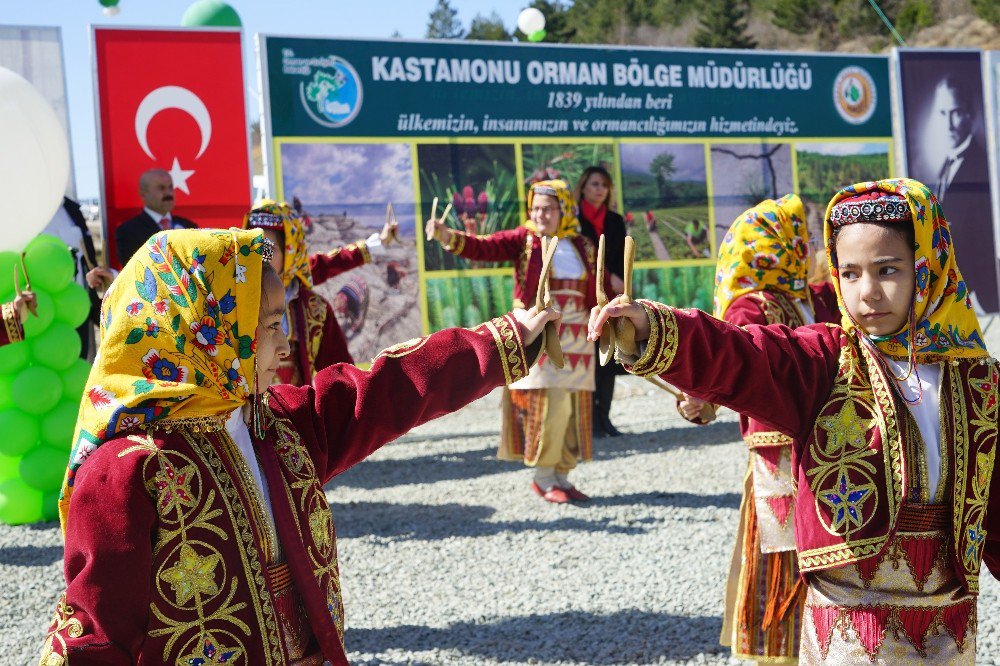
x: 344, y: 189
x: 743, y: 175
x: 665, y: 196
x: 566, y: 161
x: 480, y: 183
x: 826, y: 168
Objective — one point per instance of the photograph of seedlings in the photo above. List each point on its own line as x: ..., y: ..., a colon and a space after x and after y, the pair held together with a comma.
x: 480, y: 183
x: 467, y: 301
x: 680, y: 286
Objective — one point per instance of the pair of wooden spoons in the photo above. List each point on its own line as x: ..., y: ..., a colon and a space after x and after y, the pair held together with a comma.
x: 543, y: 299
x: 618, y: 333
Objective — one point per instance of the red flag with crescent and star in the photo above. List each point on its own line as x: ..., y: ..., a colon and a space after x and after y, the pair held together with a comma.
x: 173, y: 100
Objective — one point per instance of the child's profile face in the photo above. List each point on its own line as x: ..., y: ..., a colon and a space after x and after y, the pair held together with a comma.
x: 876, y: 277
x: 272, y: 344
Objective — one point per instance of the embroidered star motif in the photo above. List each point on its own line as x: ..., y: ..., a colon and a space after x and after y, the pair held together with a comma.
x: 844, y: 428
x: 976, y: 538
x: 174, y: 486
x: 321, y: 527
x: 846, y: 501
x: 192, y: 575
x: 210, y: 653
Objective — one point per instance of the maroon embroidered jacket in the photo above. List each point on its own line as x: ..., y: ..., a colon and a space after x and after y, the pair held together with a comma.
x: 820, y: 387
x: 524, y: 248
x: 167, y: 540
x: 13, y: 330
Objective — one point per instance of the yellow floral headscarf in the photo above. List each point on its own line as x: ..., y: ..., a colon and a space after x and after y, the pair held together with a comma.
x: 178, y: 338
x: 766, y: 248
x: 269, y: 214
x: 569, y: 224
x: 943, y: 324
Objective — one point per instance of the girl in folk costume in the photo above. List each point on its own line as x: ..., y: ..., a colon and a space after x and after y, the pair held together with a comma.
x: 196, y: 526
x: 893, y: 421
x: 316, y: 338
x: 546, y: 415
x: 761, y: 279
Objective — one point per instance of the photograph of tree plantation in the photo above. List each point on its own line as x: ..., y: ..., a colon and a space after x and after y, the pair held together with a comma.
x: 665, y: 196
x: 825, y: 167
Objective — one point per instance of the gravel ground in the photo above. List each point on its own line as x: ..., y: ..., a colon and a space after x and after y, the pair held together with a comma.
x: 447, y: 558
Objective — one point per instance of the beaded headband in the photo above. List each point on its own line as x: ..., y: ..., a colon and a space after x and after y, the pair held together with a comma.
x: 263, y: 220
x: 544, y: 190
x: 890, y: 208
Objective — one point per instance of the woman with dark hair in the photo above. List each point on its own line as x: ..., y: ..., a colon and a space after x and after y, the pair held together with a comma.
x: 595, y: 195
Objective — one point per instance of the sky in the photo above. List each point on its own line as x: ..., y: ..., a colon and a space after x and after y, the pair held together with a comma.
x: 689, y: 158
x: 313, y: 18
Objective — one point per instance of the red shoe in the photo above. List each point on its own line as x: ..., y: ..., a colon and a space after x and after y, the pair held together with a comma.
x: 575, y: 494
x: 556, y: 495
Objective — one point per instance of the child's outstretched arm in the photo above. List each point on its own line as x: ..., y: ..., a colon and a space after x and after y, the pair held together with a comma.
x: 348, y: 413
x: 326, y: 265
x: 504, y: 245
x: 773, y: 374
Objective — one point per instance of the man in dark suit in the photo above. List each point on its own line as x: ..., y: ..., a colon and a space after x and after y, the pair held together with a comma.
x: 157, y: 191
x: 962, y: 185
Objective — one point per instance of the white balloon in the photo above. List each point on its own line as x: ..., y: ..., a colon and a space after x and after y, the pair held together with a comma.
x: 531, y: 20
x: 34, y: 161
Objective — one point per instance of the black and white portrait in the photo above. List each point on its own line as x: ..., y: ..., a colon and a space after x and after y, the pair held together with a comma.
x: 945, y: 141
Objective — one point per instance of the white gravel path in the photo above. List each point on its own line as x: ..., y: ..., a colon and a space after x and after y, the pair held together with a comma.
x: 447, y: 558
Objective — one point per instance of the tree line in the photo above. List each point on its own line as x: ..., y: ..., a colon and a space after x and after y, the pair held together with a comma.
x: 720, y: 24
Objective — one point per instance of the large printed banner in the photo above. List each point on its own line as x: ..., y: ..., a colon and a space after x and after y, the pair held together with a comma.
x: 35, y: 53
x: 691, y: 138
x: 182, y: 111
x: 944, y: 137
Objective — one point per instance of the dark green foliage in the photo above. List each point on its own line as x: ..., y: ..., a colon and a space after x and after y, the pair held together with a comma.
x: 914, y: 15
x: 683, y: 287
x: 802, y: 16
x: 444, y: 23
x: 723, y: 24
x: 988, y: 10
x: 488, y: 28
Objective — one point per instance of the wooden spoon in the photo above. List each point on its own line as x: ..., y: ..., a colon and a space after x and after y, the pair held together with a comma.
x: 543, y: 299
x: 606, y: 344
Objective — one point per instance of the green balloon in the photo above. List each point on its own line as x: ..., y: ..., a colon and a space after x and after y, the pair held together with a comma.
x: 9, y: 467
x: 50, y: 505
x: 20, y: 432
x: 14, y: 357
x: 59, y: 423
x: 19, y: 503
x: 72, y: 305
x: 43, y: 467
x: 537, y: 36
x: 44, y: 239
x: 36, y: 390
x: 211, y: 13
x: 6, y: 391
x: 50, y: 266
x: 57, y: 347
x: 74, y: 379
x: 46, y: 313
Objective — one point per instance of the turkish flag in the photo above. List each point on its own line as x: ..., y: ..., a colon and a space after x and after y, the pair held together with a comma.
x: 173, y: 100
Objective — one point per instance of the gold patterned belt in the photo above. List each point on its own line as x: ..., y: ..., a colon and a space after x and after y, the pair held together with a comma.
x: 280, y: 578
x: 924, y: 518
